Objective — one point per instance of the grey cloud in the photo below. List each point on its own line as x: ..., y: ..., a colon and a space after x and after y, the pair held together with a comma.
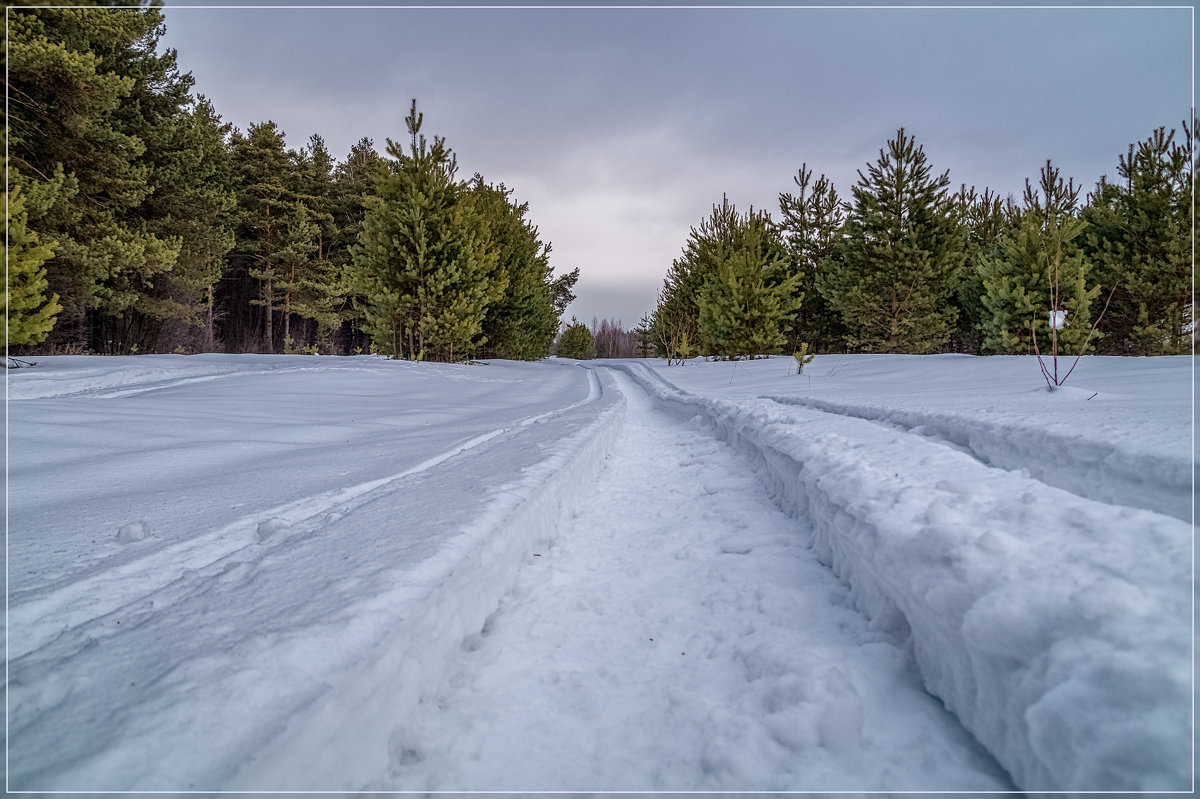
x: 623, y: 126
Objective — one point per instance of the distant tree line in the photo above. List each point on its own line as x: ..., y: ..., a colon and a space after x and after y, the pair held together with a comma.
x: 909, y: 266
x: 605, y: 338
x: 139, y: 222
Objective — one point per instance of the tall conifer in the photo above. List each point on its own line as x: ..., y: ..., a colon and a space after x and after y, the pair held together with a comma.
x: 91, y: 102
x: 748, y: 305
x: 267, y: 177
x: 812, y: 219
x: 29, y: 312
x: 522, y: 322
x: 892, y: 273
x: 424, y: 262
x: 1140, y: 237
x: 1039, y: 267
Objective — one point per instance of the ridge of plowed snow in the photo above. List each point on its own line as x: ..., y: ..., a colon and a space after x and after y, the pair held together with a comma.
x: 1056, y: 628
x: 1089, y: 466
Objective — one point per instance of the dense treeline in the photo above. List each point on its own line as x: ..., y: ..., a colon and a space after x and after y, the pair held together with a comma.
x: 139, y: 222
x: 908, y: 266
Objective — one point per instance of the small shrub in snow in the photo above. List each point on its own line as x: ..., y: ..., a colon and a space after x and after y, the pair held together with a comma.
x: 802, y: 356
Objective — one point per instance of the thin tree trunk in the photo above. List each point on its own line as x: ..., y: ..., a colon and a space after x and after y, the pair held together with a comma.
x: 209, y: 336
x: 270, y: 312
x: 287, y: 311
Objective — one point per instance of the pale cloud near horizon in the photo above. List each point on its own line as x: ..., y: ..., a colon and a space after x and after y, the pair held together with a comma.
x: 622, y: 127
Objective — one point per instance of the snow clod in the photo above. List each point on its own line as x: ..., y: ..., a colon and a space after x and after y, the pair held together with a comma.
x: 132, y: 532
x: 269, y: 527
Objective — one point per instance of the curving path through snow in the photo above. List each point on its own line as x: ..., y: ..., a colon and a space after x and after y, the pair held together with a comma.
x: 681, y: 635
x: 364, y: 574
x: 314, y: 539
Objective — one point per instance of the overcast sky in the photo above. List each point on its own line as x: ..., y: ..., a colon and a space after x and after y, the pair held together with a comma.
x: 621, y: 127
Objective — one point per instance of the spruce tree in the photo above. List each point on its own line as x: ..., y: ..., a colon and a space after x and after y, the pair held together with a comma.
x: 424, y: 262
x: 1037, y: 268
x: 812, y: 219
x: 892, y: 272
x: 643, y: 337
x: 1140, y: 233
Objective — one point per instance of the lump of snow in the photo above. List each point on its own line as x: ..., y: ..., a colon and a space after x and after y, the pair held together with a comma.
x: 269, y: 527
x: 134, y: 531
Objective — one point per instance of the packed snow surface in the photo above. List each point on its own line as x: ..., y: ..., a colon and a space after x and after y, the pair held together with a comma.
x: 887, y: 573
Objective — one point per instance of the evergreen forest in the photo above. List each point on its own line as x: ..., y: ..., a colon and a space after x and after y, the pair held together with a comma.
x: 908, y: 265
x: 139, y: 222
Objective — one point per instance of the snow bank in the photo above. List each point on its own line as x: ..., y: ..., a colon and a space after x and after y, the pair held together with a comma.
x: 1057, y: 628
x: 1120, y: 431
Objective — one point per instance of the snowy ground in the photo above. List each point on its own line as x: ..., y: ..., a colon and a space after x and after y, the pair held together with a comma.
x: 888, y: 573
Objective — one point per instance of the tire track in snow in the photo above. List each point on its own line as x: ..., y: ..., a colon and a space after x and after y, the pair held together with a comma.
x: 43, y: 614
x: 285, y: 669
x: 145, y: 382
x: 1091, y: 469
x: 680, y: 635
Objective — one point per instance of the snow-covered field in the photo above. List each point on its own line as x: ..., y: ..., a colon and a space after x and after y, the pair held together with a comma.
x: 888, y: 573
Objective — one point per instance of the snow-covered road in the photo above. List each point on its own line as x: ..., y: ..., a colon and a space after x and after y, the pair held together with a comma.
x: 681, y: 636
x: 364, y: 574
x: 311, y: 529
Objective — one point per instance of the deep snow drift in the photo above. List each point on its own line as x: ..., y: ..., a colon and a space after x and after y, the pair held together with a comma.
x: 250, y: 572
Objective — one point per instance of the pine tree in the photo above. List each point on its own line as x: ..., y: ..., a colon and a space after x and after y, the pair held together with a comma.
x: 1140, y: 235
x: 424, y: 262
x: 313, y: 290
x: 561, y: 287
x: 643, y: 337
x: 521, y: 324
x: 576, y: 342
x: 267, y: 179
x: 197, y: 202
x: 30, y: 314
x: 304, y: 288
x: 985, y: 219
x: 91, y: 101
x: 1037, y: 268
x: 678, y: 310
x: 891, y: 274
x: 747, y: 306
x: 354, y: 179
x: 811, y: 223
